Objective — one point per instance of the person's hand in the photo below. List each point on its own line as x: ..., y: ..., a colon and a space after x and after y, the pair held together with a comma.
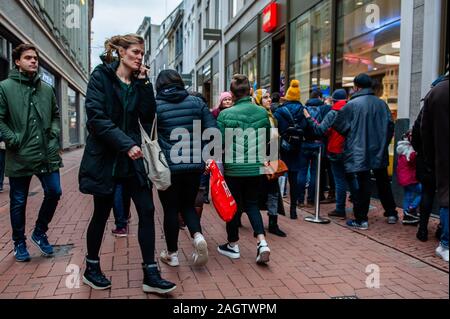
x: 306, y: 113
x: 208, y: 166
x: 143, y: 72
x: 135, y: 153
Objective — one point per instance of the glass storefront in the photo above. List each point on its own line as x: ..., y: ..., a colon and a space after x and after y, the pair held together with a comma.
x: 266, y: 64
x: 368, y: 42
x: 73, y: 107
x: 5, y: 58
x: 215, y: 81
x: 249, y: 67
x: 232, y: 69
x: 311, y: 50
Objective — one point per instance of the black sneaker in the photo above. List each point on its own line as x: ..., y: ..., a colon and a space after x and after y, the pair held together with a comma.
x: 231, y: 252
x: 336, y: 214
x: 409, y: 220
x: 93, y: 276
x: 412, y: 212
x: 153, y: 283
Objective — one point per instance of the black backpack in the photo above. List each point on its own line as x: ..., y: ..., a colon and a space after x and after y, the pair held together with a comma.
x: 293, y: 137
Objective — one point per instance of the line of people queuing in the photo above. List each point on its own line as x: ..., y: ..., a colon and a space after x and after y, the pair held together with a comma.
x: 354, y: 132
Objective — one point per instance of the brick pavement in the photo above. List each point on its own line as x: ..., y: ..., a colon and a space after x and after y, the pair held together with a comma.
x: 315, y: 261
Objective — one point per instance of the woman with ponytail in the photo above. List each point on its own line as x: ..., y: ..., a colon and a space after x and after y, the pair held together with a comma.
x: 119, y: 96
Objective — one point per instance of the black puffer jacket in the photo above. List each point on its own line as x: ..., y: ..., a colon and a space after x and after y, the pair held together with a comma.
x: 177, y: 111
x: 112, y: 133
x: 368, y: 127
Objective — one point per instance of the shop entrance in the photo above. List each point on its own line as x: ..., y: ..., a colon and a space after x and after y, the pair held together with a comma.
x: 4, y: 66
x: 207, y: 92
x: 279, y: 64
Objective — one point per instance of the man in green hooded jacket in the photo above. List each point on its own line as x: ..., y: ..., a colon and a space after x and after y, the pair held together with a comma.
x: 30, y: 127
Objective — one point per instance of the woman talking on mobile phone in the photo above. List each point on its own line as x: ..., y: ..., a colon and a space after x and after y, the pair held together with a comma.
x: 119, y: 95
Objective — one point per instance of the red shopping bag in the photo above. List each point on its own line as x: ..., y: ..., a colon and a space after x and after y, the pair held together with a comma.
x: 222, y: 198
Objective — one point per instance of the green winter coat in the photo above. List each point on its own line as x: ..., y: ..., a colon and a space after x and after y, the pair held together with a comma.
x: 30, y: 126
x: 244, y: 115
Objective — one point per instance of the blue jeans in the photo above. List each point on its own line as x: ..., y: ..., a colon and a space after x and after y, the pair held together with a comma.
x: 413, y: 197
x: 444, y: 222
x: 338, y: 169
x: 273, y: 191
x: 121, y: 207
x: 2, y: 167
x: 308, y: 162
x: 18, y: 197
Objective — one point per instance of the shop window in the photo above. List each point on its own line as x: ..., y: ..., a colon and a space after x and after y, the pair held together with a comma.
x: 232, y: 69
x: 266, y: 64
x: 311, y: 50
x: 215, y: 90
x: 236, y: 6
x: 369, y: 42
x: 73, y: 113
x: 249, y: 67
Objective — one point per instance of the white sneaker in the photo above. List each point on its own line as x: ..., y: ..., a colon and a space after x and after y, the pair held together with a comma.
x: 263, y: 253
x: 170, y: 259
x: 442, y: 252
x: 200, y: 255
x: 231, y: 252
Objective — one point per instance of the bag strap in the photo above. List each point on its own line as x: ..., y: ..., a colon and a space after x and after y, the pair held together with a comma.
x: 291, y: 118
x: 154, y: 132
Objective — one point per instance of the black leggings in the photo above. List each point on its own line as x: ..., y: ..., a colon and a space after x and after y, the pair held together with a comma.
x: 180, y: 198
x: 143, y: 200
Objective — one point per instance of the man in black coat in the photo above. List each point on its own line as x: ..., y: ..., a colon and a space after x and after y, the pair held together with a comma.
x: 435, y: 134
x: 367, y: 124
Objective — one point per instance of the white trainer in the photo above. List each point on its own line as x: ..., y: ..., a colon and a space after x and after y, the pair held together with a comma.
x: 442, y: 252
x: 263, y: 253
x: 170, y: 259
x: 200, y: 255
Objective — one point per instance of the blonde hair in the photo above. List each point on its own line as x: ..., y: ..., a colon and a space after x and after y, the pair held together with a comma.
x: 113, y: 44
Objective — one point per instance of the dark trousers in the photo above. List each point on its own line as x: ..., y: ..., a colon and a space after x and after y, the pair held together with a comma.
x: 2, y: 167
x: 143, y: 200
x: 204, y: 184
x: 293, y: 189
x: 180, y: 198
x: 426, y: 205
x: 122, y: 206
x: 326, y: 177
x: 363, y: 194
x: 245, y: 192
x: 18, y: 195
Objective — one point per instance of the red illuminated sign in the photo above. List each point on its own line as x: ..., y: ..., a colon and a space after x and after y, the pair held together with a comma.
x: 270, y: 17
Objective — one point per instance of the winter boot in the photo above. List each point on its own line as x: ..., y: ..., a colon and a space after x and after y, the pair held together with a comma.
x: 273, y: 227
x: 153, y: 283
x: 94, y: 277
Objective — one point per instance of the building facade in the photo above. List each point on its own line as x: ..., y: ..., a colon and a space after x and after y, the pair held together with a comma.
x: 61, y: 31
x: 169, y: 50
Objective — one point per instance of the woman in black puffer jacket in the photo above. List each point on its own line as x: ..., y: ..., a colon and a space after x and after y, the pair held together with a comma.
x: 179, y: 117
x: 119, y: 95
